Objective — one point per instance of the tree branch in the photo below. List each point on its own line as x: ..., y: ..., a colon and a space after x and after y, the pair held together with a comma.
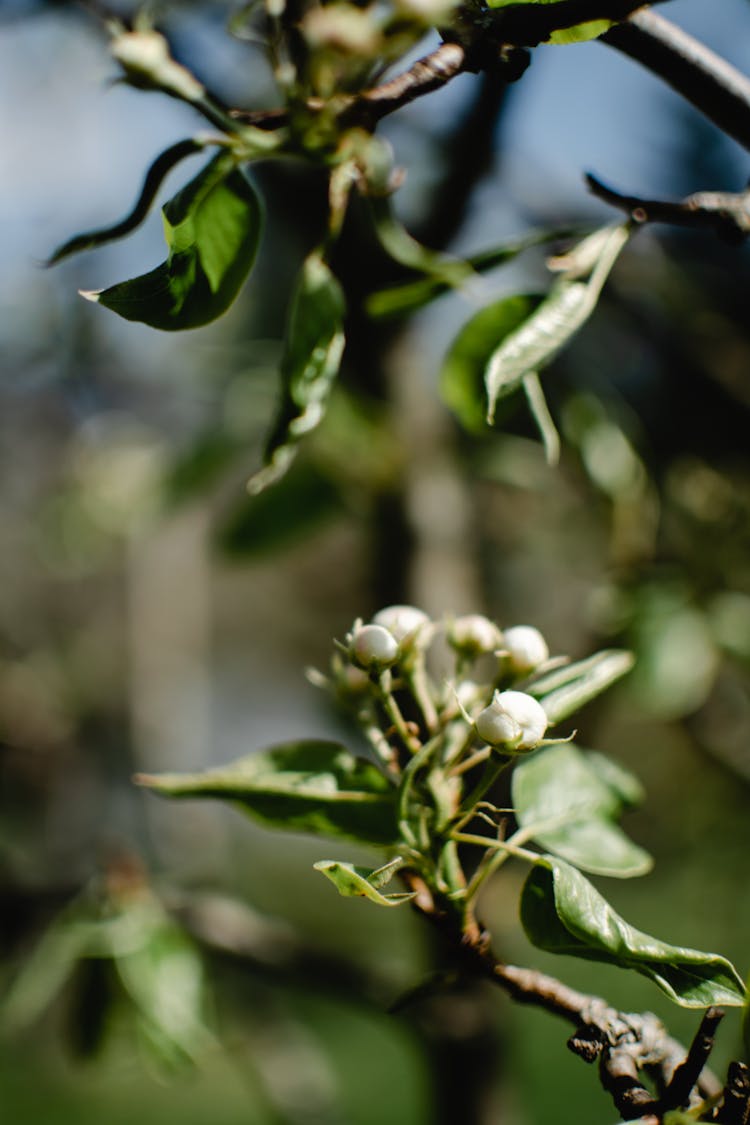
x: 707, y: 81
x: 725, y: 213
x: 624, y: 1043
x: 529, y: 24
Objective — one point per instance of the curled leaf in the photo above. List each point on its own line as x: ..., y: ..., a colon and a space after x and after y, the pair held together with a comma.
x: 562, y: 912
x: 212, y: 228
x: 155, y: 176
x: 362, y: 882
x: 537, y: 341
x: 314, y: 347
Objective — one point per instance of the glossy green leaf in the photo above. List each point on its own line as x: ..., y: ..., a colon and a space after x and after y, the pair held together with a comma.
x: 314, y: 346
x: 534, y: 343
x: 303, y: 501
x: 363, y: 882
x: 576, y: 810
x: 153, y: 181
x: 568, y: 688
x: 462, y: 376
x: 305, y: 786
x: 562, y: 912
x: 212, y: 228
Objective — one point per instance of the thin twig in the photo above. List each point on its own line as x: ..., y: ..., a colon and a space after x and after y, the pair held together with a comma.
x: 687, y: 1074
x: 725, y: 213
x: 706, y: 80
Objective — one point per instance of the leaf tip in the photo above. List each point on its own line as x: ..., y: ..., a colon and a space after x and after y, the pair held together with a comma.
x: 88, y: 294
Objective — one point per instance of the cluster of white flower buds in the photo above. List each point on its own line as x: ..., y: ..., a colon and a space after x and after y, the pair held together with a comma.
x: 399, y: 630
x: 514, y: 721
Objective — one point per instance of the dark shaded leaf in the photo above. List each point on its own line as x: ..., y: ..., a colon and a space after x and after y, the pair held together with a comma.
x: 314, y: 346
x: 212, y: 228
x: 562, y: 912
x: 299, y: 504
x: 305, y: 786
x: 565, y: 792
x: 153, y: 181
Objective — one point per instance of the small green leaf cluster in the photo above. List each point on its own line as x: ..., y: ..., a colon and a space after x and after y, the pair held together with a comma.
x: 445, y: 708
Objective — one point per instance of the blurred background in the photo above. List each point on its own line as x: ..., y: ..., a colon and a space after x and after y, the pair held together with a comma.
x: 177, y: 962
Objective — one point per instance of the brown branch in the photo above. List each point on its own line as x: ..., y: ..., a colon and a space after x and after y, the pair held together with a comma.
x: 687, y: 1074
x: 624, y: 1043
x: 725, y: 213
x: 707, y: 81
x: 735, y: 1107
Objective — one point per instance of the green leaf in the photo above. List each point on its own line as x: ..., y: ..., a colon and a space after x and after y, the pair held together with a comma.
x: 407, y: 251
x: 462, y: 375
x: 362, y: 882
x: 301, y: 502
x: 162, y: 973
x: 575, y: 810
x: 581, y: 33
x: 212, y: 228
x: 409, y: 296
x: 562, y: 912
x: 567, y: 689
x: 154, y: 178
x: 305, y: 786
x: 569, y: 304
x: 541, y: 415
x: 314, y: 346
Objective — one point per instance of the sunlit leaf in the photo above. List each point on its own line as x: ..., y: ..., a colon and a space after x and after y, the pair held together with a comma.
x: 212, y: 228
x: 565, y: 792
x: 314, y: 346
x: 153, y: 181
x: 362, y: 882
x: 568, y: 688
x: 535, y: 343
x: 307, y: 786
x: 562, y: 912
x: 462, y: 376
x: 581, y: 33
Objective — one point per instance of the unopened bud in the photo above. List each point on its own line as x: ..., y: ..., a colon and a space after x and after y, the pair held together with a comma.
x: 513, y: 721
x: 524, y: 649
x: 402, y: 621
x: 474, y: 635
x: 372, y: 647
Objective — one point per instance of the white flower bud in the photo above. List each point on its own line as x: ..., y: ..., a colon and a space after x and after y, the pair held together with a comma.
x: 513, y: 721
x: 474, y: 635
x: 524, y: 648
x: 373, y: 647
x: 402, y: 621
